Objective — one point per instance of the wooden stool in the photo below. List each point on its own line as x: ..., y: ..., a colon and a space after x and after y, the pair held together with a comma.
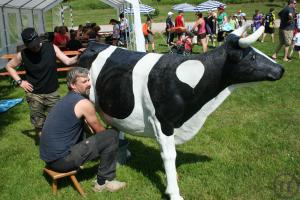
x: 57, y: 175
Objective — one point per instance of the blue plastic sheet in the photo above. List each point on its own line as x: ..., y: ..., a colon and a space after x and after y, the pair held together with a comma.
x: 9, y: 103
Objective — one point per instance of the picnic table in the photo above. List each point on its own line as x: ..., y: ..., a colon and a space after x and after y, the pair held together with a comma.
x: 59, y: 69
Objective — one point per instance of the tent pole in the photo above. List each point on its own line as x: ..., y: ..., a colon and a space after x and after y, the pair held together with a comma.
x: 4, y: 26
x: 20, y: 14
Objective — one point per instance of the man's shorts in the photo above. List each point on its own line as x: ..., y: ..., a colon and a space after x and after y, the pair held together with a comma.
x: 285, y: 37
x: 148, y: 38
x: 39, y: 106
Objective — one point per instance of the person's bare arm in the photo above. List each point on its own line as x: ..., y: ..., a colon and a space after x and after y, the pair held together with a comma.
x: 10, y: 67
x: 195, y: 25
x: 62, y: 57
x: 86, y: 109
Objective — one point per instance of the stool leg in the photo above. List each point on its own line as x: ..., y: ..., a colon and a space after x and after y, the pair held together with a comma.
x: 54, y: 186
x: 77, y: 185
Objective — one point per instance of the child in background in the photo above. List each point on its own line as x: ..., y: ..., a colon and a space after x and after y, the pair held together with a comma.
x: 296, y: 44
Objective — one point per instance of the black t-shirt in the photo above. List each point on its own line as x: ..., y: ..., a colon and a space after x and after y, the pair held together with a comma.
x: 41, y: 69
x: 285, y: 22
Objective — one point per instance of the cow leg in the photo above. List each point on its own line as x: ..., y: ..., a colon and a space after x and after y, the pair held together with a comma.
x: 168, y: 154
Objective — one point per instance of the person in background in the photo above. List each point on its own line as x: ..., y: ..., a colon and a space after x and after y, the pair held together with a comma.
x: 73, y: 44
x: 97, y: 29
x: 61, y: 39
x: 239, y: 17
x: 201, y: 31
x: 79, y: 32
x: 116, y: 31
x: 62, y: 146
x: 211, y: 22
x: 222, y: 19
x: 169, y: 26
x: 269, y: 25
x: 40, y: 83
x: 257, y: 20
x: 179, y: 23
x: 124, y: 30
x: 148, y: 34
x: 296, y: 44
x: 286, y: 27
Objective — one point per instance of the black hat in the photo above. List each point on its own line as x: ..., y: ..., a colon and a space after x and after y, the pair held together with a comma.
x: 30, y: 37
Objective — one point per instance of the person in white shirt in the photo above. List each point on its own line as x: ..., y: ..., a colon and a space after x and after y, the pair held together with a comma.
x: 296, y: 44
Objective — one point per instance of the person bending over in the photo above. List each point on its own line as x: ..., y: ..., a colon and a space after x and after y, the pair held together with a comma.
x: 40, y: 83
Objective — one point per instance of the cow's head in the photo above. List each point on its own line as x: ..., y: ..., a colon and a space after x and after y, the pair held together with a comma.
x: 244, y: 63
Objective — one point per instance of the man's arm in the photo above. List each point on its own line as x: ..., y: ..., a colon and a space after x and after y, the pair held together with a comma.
x: 86, y: 109
x: 62, y: 57
x: 10, y: 67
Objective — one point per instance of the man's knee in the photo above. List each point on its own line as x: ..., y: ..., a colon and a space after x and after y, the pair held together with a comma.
x: 109, y: 136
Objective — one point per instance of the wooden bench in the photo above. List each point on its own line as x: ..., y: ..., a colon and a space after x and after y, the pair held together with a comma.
x: 57, y: 175
x: 60, y: 69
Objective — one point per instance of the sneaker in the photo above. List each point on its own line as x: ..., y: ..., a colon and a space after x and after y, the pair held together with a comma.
x: 111, y: 186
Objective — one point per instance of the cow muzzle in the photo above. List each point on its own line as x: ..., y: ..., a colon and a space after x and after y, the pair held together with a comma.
x: 276, y: 74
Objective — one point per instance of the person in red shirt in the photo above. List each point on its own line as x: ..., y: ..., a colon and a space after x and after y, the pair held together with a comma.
x: 179, y: 23
x: 61, y: 38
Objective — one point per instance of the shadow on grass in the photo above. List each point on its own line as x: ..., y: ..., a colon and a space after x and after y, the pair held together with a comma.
x: 147, y: 160
x: 144, y: 159
x: 31, y: 134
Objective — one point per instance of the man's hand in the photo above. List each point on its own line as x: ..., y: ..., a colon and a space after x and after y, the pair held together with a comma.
x: 26, y: 86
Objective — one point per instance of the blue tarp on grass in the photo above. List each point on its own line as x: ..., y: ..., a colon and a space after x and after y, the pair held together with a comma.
x: 9, y: 103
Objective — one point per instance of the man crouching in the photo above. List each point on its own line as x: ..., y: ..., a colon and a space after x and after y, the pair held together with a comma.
x: 62, y: 146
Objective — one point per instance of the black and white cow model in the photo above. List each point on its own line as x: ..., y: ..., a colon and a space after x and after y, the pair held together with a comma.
x: 170, y: 96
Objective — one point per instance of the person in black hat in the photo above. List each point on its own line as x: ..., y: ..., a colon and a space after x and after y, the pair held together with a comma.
x: 40, y: 83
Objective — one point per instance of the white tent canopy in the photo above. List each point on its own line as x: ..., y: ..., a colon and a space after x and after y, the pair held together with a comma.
x: 15, y: 15
x: 209, y: 5
x: 144, y: 9
x: 185, y: 7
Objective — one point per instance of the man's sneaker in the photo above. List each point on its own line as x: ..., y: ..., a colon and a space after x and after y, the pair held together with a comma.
x: 111, y: 186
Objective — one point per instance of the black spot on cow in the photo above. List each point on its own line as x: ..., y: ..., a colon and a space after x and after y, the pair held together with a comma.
x: 89, y: 55
x: 114, y: 83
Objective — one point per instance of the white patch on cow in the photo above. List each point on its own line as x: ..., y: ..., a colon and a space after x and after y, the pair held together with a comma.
x: 136, y: 123
x: 258, y: 51
x: 190, y: 72
x: 95, y: 69
x: 191, y: 127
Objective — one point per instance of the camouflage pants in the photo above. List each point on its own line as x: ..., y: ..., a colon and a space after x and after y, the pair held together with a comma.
x: 39, y: 106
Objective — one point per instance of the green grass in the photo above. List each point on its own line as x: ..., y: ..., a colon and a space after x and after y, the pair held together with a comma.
x: 244, y: 145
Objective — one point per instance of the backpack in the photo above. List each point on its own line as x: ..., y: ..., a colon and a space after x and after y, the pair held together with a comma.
x: 269, y: 20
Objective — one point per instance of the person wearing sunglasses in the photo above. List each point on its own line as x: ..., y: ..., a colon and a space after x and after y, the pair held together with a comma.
x: 41, y: 81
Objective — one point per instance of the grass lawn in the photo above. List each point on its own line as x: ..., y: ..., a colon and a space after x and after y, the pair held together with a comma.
x: 240, y: 153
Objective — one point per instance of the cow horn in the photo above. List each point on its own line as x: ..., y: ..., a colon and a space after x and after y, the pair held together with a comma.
x: 246, y: 42
x: 241, y: 30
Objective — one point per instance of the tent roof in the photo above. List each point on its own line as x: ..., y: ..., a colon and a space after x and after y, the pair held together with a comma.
x: 29, y: 4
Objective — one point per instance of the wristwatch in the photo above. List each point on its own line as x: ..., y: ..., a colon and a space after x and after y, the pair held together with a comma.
x: 19, y: 81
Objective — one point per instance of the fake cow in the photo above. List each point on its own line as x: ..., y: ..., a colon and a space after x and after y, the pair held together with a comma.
x: 170, y: 96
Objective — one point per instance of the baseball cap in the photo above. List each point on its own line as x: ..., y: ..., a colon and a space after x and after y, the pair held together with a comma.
x: 30, y: 37
x: 170, y: 13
